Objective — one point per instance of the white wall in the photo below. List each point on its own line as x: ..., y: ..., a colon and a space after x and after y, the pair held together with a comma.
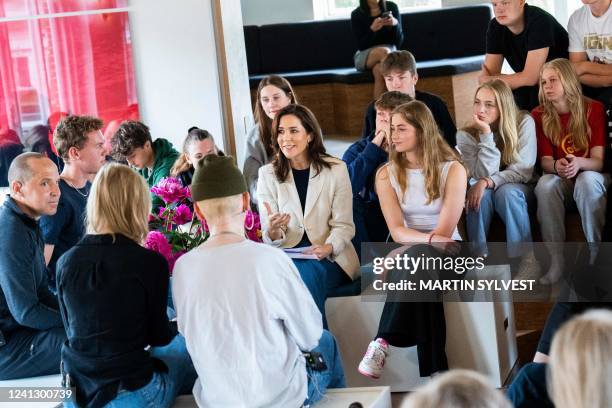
x: 452, y: 3
x: 238, y: 111
x: 258, y: 12
x: 176, y: 67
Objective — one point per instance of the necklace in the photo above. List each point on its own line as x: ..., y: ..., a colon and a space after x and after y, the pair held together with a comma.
x: 77, y: 190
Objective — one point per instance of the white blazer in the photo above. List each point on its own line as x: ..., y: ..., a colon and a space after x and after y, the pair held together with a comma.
x: 327, y: 216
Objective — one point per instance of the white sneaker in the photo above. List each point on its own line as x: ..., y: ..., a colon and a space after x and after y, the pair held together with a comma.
x: 374, y: 360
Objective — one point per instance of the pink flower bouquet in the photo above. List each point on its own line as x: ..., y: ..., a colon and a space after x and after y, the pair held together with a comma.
x: 168, y: 234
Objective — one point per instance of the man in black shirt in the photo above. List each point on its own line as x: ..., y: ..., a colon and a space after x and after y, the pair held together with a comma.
x: 527, y: 37
x: 31, y: 329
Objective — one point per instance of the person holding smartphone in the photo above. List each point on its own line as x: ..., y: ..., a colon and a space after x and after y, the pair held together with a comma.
x: 377, y: 26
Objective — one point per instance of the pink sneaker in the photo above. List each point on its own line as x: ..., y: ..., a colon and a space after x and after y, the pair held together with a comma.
x: 374, y: 360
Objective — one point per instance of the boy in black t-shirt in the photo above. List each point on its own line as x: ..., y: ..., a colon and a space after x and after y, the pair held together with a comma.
x: 400, y: 73
x: 527, y: 37
x: 80, y: 143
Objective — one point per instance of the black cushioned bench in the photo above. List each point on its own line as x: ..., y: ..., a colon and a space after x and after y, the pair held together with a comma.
x: 445, y: 41
x: 317, y: 58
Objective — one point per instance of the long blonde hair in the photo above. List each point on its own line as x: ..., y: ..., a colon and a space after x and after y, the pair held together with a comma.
x: 119, y: 203
x: 581, y: 362
x: 578, y: 125
x: 507, y: 134
x: 432, y: 148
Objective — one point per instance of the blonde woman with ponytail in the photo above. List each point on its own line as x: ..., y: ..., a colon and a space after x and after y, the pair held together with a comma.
x: 571, y: 139
x: 113, y: 295
x: 421, y: 192
x: 499, y: 150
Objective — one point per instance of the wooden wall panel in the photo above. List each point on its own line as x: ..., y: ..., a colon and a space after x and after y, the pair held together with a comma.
x: 351, y: 102
x: 319, y: 98
x: 464, y: 87
x: 340, y: 108
x: 440, y: 86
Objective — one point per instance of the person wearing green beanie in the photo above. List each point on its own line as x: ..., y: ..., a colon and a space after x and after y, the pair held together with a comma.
x: 237, y: 300
x: 216, y: 177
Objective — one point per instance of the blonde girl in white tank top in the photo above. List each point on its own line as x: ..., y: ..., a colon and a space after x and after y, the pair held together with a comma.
x: 422, y: 188
x: 421, y: 192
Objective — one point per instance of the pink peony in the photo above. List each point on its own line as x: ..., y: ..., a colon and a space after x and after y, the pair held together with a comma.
x: 156, y: 241
x: 182, y: 215
x: 252, y: 226
x: 171, y: 190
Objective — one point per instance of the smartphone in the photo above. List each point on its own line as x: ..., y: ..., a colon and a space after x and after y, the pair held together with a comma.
x: 315, y: 361
x: 386, y: 14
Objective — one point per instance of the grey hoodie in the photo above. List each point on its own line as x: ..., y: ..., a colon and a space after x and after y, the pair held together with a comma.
x: 256, y: 157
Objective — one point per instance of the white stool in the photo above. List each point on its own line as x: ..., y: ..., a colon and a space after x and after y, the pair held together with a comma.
x: 480, y: 336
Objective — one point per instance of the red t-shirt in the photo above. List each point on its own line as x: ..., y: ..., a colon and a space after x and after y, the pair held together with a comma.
x: 597, y: 122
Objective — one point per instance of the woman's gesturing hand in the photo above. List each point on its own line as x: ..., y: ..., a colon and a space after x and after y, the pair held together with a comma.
x: 278, y: 223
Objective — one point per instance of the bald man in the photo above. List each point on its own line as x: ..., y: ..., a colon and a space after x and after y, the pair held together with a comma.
x: 31, y: 329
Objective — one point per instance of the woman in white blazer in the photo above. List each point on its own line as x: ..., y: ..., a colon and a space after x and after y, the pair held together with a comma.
x: 305, y: 201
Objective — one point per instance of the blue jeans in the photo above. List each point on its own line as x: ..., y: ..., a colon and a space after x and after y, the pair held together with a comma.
x: 319, y: 277
x: 510, y: 202
x: 163, y: 388
x: 332, y: 377
x: 170, y: 308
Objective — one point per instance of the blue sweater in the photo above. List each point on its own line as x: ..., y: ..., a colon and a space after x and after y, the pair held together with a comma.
x: 25, y: 298
x: 362, y: 159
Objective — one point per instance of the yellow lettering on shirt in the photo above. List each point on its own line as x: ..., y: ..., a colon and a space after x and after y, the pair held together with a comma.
x: 597, y: 42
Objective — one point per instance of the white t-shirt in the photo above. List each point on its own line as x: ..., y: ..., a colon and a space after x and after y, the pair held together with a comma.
x: 246, y: 315
x: 591, y: 34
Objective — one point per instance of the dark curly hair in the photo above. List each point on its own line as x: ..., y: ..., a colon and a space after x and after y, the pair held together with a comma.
x: 130, y: 135
x: 72, y: 132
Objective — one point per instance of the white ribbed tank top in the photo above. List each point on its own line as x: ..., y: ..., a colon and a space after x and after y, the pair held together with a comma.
x: 418, y: 215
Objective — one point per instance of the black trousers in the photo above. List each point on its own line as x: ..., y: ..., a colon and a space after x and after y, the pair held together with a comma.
x: 31, y: 353
x: 421, y: 324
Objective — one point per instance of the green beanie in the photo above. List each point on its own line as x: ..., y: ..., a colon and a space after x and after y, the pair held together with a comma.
x: 216, y: 177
